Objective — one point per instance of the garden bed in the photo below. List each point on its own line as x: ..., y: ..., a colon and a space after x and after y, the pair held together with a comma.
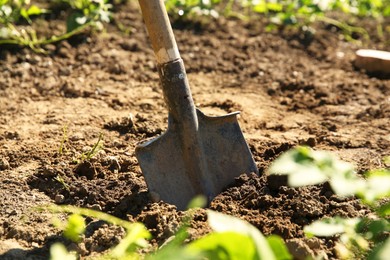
x: 291, y: 88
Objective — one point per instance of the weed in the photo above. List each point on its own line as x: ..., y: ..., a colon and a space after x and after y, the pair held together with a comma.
x: 358, y: 237
x: 85, y: 14
x: 62, y: 181
x: 28, y: 37
x: 64, y: 140
x: 94, y: 150
x: 219, y: 244
x: 192, y: 8
x: 13, y: 11
x: 280, y: 13
x: 303, y: 14
x: 92, y: 12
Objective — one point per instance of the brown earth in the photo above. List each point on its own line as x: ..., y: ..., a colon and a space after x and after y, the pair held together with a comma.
x: 291, y: 88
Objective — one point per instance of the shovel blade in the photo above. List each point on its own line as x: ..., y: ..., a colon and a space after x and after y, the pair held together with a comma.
x: 224, y: 153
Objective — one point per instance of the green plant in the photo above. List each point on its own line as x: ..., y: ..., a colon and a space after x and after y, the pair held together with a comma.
x: 12, y: 11
x: 91, y: 12
x: 94, y: 150
x: 303, y: 14
x: 358, y: 237
x: 220, y: 244
x: 282, y: 13
x: 84, y: 14
x: 136, y: 233
x: 64, y: 140
x: 191, y: 8
x: 62, y: 181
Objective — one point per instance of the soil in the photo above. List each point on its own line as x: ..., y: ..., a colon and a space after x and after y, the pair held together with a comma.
x: 292, y: 88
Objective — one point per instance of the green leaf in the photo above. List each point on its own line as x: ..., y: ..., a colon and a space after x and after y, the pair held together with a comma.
x: 377, y: 185
x: 35, y: 10
x: 279, y: 248
x: 136, y: 233
x: 24, y: 14
x: 345, y: 184
x: 221, y: 246
x: 75, y: 227
x: 373, y: 229
x: 172, y: 248
x: 275, y: 7
x: 323, y: 229
x: 3, y: 2
x: 260, y: 8
x: 381, y: 251
x: 72, y: 21
x: 271, y: 27
x: 330, y: 227
x: 384, y: 210
x: 386, y: 12
x: 223, y: 223
x: 59, y: 252
x: 173, y: 254
x: 307, y: 167
x: 301, y: 167
x: 376, y: 228
x: 134, y: 239
x: 306, y: 175
x: 197, y: 202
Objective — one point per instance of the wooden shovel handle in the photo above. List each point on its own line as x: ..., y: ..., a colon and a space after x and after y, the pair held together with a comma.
x: 160, y: 30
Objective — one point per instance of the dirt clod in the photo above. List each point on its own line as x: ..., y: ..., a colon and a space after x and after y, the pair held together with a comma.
x: 4, y: 164
x: 292, y: 87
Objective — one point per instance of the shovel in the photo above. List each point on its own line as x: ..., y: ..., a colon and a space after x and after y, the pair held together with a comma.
x: 197, y: 154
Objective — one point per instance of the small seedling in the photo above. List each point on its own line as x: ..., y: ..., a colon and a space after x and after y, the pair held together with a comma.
x: 94, y: 150
x: 62, y: 181
x: 64, y: 140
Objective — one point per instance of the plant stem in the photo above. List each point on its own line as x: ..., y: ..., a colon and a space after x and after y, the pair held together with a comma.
x: 343, y: 26
x: 34, y: 42
x: 64, y: 36
x: 94, y: 148
x: 90, y: 213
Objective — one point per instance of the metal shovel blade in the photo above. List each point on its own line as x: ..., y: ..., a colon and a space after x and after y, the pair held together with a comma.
x: 223, y: 152
x: 197, y: 154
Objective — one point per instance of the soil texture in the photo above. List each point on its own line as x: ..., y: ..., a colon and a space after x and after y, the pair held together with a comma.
x: 291, y: 88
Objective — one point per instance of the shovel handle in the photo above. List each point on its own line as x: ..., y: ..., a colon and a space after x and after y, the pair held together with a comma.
x: 160, y: 30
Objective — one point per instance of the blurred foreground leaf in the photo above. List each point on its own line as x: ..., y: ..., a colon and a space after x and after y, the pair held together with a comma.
x: 330, y: 227
x: 58, y: 252
x: 224, y: 245
x: 75, y: 227
x: 223, y: 223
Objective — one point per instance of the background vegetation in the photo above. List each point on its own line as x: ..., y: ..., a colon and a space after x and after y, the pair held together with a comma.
x: 17, y: 17
x: 358, y: 238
